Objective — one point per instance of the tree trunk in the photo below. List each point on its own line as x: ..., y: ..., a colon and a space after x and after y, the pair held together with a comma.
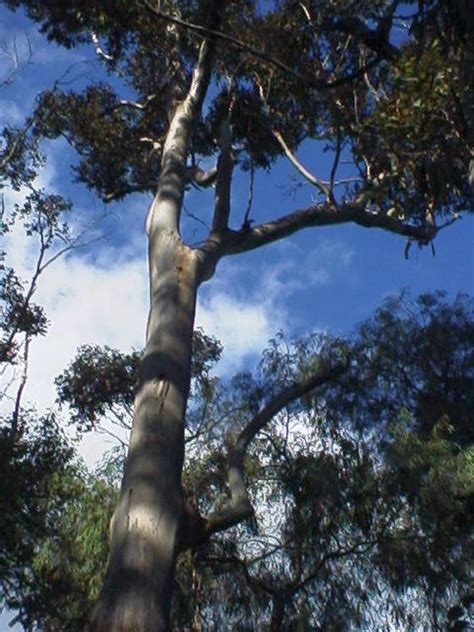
x: 144, y: 530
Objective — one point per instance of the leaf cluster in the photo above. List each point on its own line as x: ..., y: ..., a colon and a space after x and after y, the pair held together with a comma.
x: 306, y: 71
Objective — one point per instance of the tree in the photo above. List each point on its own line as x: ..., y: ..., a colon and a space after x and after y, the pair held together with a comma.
x: 363, y: 508
x: 39, y: 470
x: 204, y: 85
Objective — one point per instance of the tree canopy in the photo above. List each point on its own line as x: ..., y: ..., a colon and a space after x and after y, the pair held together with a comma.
x: 390, y: 89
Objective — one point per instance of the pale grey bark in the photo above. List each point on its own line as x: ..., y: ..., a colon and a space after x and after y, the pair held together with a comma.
x: 229, y: 242
x: 144, y: 531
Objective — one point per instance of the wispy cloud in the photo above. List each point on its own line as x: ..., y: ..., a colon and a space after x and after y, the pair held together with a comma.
x: 243, y: 327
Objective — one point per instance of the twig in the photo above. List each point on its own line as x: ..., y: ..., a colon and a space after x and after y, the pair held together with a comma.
x: 246, y: 221
x: 195, y: 217
x: 98, y: 49
x: 335, y: 165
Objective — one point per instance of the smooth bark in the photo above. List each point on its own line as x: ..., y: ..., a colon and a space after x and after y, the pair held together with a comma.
x: 145, y: 527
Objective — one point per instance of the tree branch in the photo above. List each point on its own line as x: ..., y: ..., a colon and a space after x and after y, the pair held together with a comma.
x: 240, y: 506
x: 225, y: 167
x: 325, y: 214
x: 316, y: 182
x: 201, y: 177
x: 135, y: 105
x: 166, y: 207
x: 100, y: 52
x: 15, y: 424
x: 231, y: 242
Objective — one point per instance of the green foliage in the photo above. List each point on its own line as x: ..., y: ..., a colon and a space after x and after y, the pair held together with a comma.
x: 28, y: 509
x: 412, y: 134
x: 20, y: 157
x: 18, y: 316
x: 319, y: 71
x: 102, y: 381
x: 98, y: 380
x: 70, y: 561
x: 351, y: 527
x: 413, y: 357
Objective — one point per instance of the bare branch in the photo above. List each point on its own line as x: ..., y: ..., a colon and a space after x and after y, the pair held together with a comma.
x: 98, y: 49
x: 202, y: 177
x: 307, y: 175
x: 337, y: 157
x: 21, y: 387
x: 319, y: 184
x: 246, y: 221
x: 16, y: 63
x: 324, y: 214
x: 197, y: 219
x: 230, y: 242
x: 135, y: 105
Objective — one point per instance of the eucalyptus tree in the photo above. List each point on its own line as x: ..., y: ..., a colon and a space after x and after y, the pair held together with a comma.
x: 380, y: 83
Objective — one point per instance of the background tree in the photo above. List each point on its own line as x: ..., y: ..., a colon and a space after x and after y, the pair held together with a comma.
x: 352, y: 84
x: 34, y: 451
x: 363, y: 517
x: 39, y: 469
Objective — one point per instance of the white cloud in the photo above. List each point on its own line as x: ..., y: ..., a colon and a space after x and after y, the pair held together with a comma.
x: 243, y: 327
x: 90, y: 304
x: 11, y: 113
x: 248, y: 303
x: 97, y: 301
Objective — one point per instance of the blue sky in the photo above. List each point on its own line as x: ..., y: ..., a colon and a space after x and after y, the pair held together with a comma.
x: 323, y: 278
x: 329, y: 278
